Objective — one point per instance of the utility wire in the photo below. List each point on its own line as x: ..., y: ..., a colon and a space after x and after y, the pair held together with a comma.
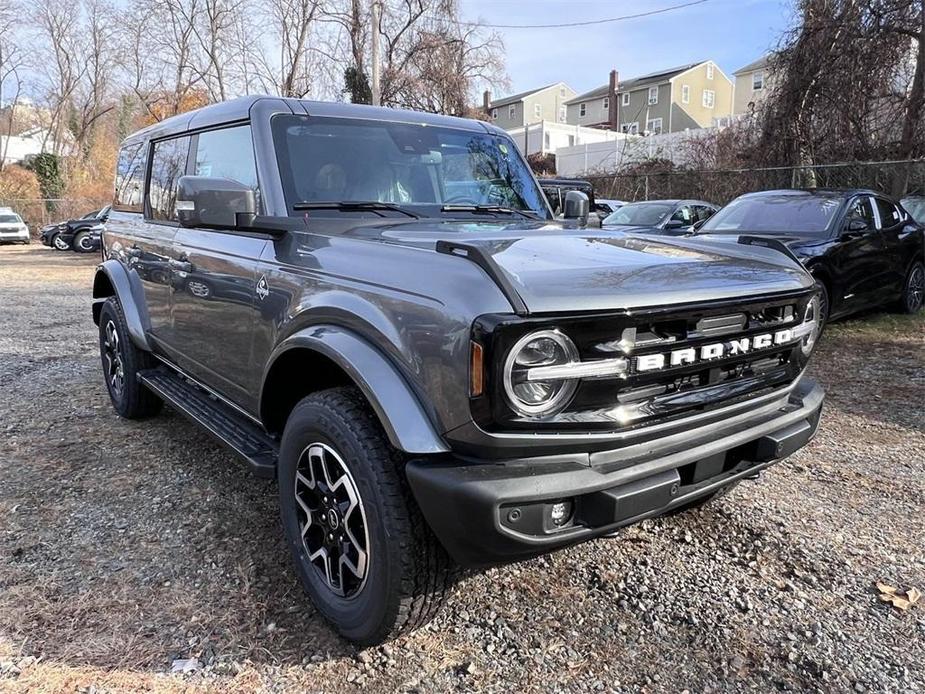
x: 585, y: 23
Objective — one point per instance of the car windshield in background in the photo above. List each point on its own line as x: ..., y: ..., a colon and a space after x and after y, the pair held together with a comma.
x: 429, y: 169
x: 643, y: 214
x: 785, y: 214
x: 916, y: 208
x: 10, y: 219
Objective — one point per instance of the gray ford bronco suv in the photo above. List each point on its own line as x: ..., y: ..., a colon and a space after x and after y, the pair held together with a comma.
x: 377, y: 309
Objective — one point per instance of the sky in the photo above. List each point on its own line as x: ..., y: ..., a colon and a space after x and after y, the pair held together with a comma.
x: 733, y: 33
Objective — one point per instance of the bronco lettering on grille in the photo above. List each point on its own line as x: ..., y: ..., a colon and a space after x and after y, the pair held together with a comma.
x: 714, y: 350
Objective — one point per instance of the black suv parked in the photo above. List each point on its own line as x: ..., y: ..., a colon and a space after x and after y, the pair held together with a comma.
x: 434, y: 370
x: 81, y: 235
x: 863, y: 248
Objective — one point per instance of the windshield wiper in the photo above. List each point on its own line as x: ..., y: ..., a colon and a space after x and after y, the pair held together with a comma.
x: 360, y: 205
x: 488, y: 209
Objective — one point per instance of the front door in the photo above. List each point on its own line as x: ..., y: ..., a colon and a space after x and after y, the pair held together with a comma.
x: 215, y: 285
x: 859, y: 257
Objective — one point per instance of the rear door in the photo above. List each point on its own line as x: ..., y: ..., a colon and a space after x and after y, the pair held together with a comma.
x: 900, y: 244
x: 215, y: 284
x: 143, y: 243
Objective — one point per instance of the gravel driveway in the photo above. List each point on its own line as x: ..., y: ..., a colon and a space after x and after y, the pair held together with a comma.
x: 130, y: 549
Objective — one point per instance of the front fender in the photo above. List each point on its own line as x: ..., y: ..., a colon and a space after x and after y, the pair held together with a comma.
x: 404, y: 419
x: 112, y: 279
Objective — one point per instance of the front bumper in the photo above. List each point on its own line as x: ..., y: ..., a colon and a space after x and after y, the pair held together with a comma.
x: 488, y: 513
x: 17, y: 235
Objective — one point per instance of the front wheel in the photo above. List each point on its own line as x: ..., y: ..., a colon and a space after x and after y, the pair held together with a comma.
x: 83, y: 242
x: 913, y: 294
x: 362, y: 550
x: 59, y: 244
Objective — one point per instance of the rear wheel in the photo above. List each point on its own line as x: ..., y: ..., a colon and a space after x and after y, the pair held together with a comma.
x: 83, y: 242
x: 362, y: 550
x: 59, y: 244
x: 913, y: 295
x: 122, y: 361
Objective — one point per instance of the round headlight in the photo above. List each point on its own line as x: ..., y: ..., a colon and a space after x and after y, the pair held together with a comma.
x: 537, y: 398
x: 812, y: 325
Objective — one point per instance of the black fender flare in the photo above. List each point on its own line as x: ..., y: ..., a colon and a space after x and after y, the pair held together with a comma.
x: 112, y: 279
x: 404, y: 419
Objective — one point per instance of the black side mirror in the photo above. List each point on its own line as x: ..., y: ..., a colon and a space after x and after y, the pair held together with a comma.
x: 577, y: 206
x: 203, y: 201
x: 675, y: 224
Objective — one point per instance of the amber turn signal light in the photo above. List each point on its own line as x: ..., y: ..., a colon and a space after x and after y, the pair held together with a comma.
x: 476, y: 370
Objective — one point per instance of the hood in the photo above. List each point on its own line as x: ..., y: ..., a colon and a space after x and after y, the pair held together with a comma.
x: 792, y: 240
x: 557, y: 270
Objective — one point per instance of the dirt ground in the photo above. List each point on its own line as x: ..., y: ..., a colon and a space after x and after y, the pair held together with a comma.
x: 131, y: 549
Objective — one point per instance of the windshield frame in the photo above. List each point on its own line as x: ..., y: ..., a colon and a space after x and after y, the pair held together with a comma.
x: 437, y: 210
x: 826, y: 232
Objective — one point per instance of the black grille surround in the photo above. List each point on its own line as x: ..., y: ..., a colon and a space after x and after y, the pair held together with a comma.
x: 643, y: 397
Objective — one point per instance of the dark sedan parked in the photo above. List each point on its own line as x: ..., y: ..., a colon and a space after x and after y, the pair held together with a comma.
x: 82, y: 234
x: 863, y: 248
x: 669, y: 217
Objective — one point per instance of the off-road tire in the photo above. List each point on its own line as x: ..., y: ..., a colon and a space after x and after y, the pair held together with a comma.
x: 409, y: 574
x: 133, y: 401
x: 912, y: 299
x: 59, y: 246
x: 78, y: 243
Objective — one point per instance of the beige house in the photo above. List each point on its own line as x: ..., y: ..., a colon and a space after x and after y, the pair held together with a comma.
x: 515, y: 111
x: 698, y: 95
x: 753, y: 83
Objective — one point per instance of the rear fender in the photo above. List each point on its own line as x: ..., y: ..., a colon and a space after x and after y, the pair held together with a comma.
x: 112, y: 279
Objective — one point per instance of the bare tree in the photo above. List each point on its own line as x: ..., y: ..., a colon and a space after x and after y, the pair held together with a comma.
x: 12, y: 63
x: 58, y: 27
x: 834, y: 96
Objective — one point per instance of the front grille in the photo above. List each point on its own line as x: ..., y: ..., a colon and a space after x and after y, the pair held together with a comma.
x: 674, y: 368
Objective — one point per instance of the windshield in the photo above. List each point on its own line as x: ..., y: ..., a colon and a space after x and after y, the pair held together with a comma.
x: 10, y: 219
x: 915, y: 207
x: 423, y: 167
x: 644, y: 214
x: 785, y: 214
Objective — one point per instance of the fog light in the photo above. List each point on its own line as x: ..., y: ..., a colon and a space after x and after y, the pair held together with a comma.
x: 560, y: 512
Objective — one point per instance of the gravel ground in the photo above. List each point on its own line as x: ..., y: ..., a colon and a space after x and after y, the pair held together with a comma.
x: 128, y: 550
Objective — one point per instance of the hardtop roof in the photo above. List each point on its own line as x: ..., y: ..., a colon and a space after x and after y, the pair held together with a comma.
x: 238, y: 110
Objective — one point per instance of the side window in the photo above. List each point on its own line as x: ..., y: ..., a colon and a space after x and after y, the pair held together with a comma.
x: 168, y: 163
x: 863, y: 210
x: 889, y: 214
x: 227, y: 153
x: 683, y: 214
x: 702, y: 212
x: 130, y: 178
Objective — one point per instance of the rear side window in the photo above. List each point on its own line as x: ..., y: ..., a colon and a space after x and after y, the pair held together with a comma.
x: 168, y: 163
x: 227, y: 153
x: 130, y: 178
x: 889, y: 213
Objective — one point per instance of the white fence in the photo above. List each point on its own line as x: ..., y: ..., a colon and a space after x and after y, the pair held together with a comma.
x: 595, y: 157
x: 548, y: 137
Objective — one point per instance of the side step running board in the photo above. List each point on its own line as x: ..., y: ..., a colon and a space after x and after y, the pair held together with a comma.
x: 228, y: 426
